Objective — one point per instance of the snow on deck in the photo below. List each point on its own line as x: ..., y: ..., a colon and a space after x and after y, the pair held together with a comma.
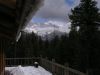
x: 27, y: 70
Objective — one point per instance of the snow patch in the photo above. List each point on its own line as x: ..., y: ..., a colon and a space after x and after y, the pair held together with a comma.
x: 28, y: 70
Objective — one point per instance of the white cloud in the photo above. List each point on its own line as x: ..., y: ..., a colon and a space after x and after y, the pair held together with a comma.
x: 55, y: 10
x: 98, y: 4
x: 49, y: 26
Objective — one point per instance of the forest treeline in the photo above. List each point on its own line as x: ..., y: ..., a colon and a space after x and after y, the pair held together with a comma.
x: 80, y: 48
x: 66, y: 49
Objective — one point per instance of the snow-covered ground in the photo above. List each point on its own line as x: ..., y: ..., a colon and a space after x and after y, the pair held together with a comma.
x: 27, y: 70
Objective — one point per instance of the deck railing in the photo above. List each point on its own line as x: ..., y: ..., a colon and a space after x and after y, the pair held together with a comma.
x: 20, y: 61
x: 52, y: 66
x: 58, y: 69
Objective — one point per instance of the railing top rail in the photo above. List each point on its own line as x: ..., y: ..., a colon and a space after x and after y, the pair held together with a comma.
x: 54, y: 63
x: 22, y: 58
x: 75, y: 71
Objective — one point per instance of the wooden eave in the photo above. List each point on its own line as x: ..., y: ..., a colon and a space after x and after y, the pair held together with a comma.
x: 14, y: 15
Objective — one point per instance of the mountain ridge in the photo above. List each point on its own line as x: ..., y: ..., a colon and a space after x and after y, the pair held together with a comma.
x: 48, y: 27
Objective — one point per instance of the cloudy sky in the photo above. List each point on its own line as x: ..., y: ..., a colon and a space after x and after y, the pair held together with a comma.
x: 57, y: 10
x: 53, y: 12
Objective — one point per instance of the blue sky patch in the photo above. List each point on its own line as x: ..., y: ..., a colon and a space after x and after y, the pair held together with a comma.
x: 69, y: 2
x: 38, y: 20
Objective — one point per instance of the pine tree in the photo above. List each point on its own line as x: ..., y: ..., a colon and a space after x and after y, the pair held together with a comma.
x: 86, y: 16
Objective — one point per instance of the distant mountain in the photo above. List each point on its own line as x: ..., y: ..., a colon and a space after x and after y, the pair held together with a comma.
x: 53, y: 35
x: 48, y: 29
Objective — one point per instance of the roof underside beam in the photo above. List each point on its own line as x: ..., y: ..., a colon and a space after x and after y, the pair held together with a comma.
x: 7, y: 10
x: 8, y: 3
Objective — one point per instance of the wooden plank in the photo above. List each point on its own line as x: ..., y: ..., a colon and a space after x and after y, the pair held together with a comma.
x: 9, y: 29
x: 20, y: 58
x: 9, y: 3
x: 7, y: 32
x: 7, y: 10
x: 7, y: 36
x: 2, y: 62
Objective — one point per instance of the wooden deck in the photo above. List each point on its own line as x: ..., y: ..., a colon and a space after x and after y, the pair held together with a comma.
x: 51, y: 66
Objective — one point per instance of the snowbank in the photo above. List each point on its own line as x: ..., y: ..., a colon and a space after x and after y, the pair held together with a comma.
x: 28, y: 70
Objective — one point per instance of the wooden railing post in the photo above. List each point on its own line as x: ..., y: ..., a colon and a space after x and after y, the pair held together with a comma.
x: 46, y: 58
x: 66, y: 72
x: 87, y: 72
x: 53, y: 60
x: 2, y: 61
x: 40, y: 60
x: 53, y: 67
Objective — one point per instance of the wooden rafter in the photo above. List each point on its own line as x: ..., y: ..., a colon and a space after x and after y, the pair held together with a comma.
x: 7, y: 10
x: 9, y: 3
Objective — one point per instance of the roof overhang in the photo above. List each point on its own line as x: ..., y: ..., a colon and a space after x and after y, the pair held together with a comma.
x: 14, y: 16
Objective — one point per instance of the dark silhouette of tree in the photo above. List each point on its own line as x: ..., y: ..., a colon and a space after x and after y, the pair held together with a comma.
x: 86, y: 17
